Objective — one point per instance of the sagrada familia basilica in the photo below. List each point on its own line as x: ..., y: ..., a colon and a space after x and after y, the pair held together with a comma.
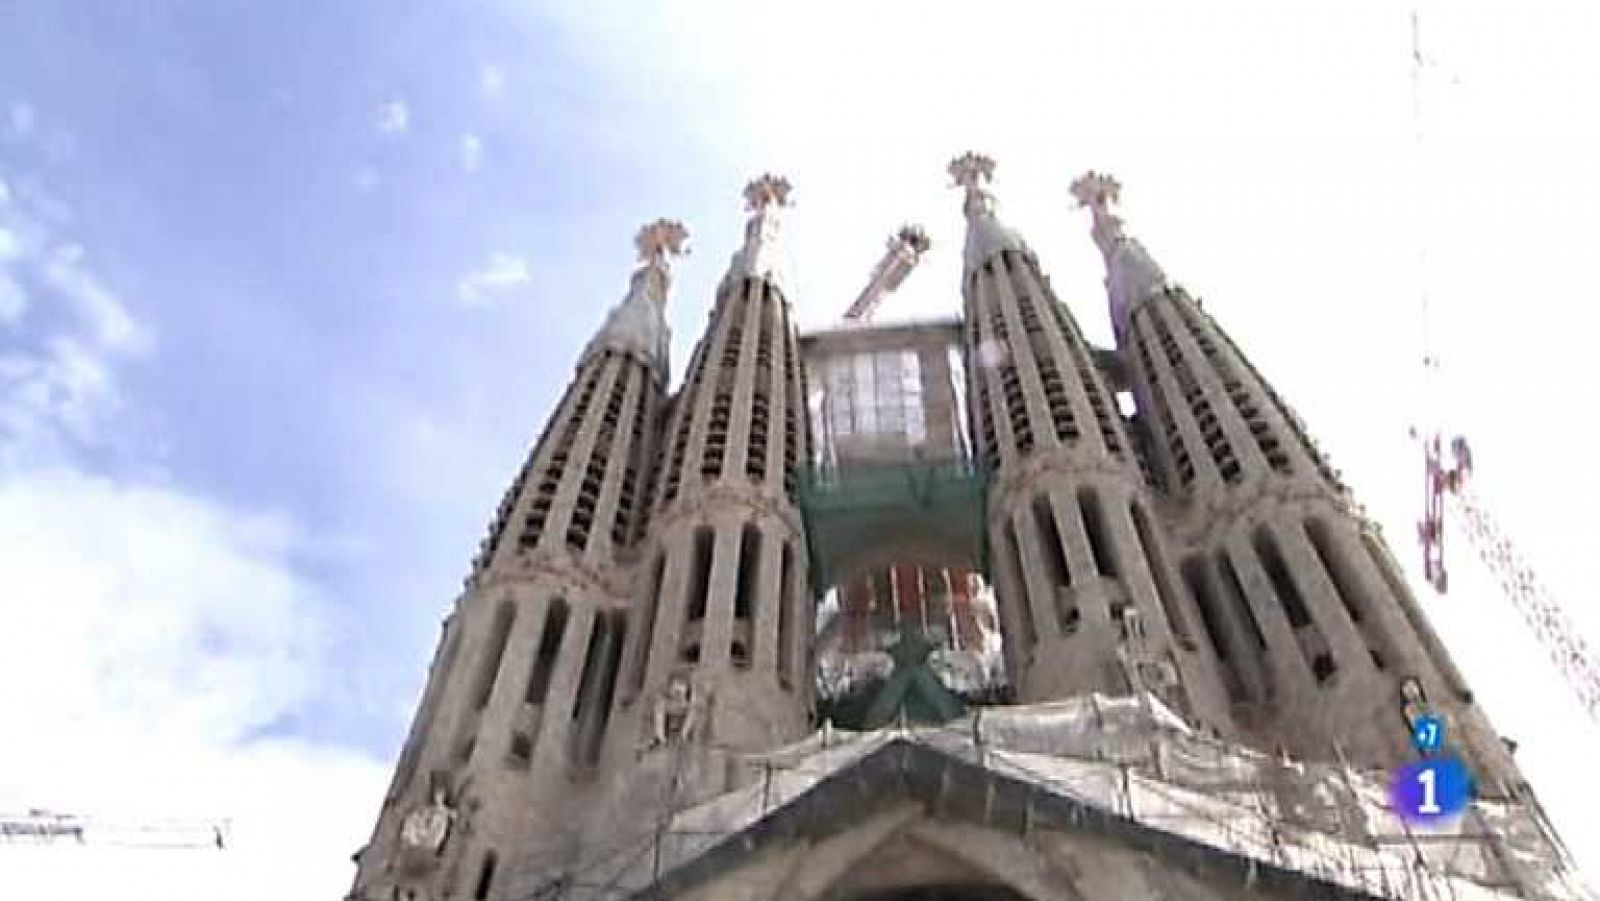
x: 953, y: 608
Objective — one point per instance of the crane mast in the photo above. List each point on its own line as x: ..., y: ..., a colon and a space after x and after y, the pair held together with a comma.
x: 1518, y: 581
x: 1448, y: 484
x: 48, y: 827
x: 905, y: 248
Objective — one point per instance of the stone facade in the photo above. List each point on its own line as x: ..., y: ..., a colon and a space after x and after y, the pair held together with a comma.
x: 1308, y: 617
x: 641, y: 616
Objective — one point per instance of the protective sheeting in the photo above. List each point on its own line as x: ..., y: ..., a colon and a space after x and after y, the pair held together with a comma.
x: 1134, y: 759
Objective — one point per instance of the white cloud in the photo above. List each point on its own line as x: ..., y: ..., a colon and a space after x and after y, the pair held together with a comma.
x: 366, y: 178
x: 394, y: 117
x: 57, y: 390
x: 470, y: 150
x: 112, y: 326
x: 154, y: 639
x: 127, y: 601
x: 491, y: 79
x: 13, y: 300
x: 163, y: 601
x: 52, y: 399
x: 503, y: 272
x: 23, y: 120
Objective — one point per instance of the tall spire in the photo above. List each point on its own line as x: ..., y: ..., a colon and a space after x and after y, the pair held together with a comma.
x: 1131, y: 274
x: 761, y: 257
x: 638, y: 324
x: 985, y: 235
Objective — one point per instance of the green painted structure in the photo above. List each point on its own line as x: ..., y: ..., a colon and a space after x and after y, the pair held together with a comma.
x: 932, y: 508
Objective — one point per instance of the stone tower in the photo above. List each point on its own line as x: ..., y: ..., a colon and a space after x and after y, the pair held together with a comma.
x: 721, y: 617
x: 1211, y: 659
x: 1080, y: 563
x: 520, y: 692
x: 1319, y: 642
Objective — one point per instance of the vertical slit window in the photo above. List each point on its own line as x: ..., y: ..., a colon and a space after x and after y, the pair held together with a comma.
x: 758, y: 435
x: 1283, y: 585
x: 1094, y: 526
x: 1194, y: 574
x: 1323, y: 667
x: 591, y: 664
x: 608, y: 687
x: 480, y: 891
x: 520, y: 752
x: 797, y: 444
x: 1343, y: 583
x: 746, y: 587
x: 1030, y: 635
x: 600, y: 450
x: 647, y: 625
x: 544, y: 662
x: 1348, y: 587
x: 1055, y: 556
x: 749, y: 571
x: 597, y: 685
x: 1235, y: 587
x: 504, y: 615
x: 786, y: 616
x: 700, y: 574
x: 630, y: 455
x: 1156, y: 562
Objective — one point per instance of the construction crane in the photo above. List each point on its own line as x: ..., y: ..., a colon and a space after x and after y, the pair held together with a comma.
x: 906, y: 247
x: 1518, y: 581
x: 1449, y: 485
x: 48, y: 827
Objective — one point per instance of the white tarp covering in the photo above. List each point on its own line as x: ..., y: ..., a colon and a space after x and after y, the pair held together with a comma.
x: 1134, y: 758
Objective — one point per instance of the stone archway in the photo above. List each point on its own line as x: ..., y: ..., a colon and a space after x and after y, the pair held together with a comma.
x: 944, y: 891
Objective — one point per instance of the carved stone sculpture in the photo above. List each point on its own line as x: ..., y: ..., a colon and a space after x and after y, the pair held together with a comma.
x: 1133, y: 628
x: 673, y: 717
x: 1414, y: 702
x: 426, y: 827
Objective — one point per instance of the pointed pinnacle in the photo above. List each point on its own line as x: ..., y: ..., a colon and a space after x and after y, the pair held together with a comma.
x: 1097, y: 190
x: 660, y: 239
x: 768, y: 190
x: 971, y: 170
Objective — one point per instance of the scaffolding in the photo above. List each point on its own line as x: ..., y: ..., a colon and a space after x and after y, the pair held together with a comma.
x: 848, y: 511
x: 1122, y: 763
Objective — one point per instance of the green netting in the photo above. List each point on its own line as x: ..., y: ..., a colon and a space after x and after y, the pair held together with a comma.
x: 852, y: 511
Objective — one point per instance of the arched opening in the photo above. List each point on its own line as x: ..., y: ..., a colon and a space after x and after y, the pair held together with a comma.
x: 944, y: 891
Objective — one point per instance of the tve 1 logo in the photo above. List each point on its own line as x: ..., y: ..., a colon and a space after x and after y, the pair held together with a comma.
x: 1432, y: 789
x: 1427, y: 734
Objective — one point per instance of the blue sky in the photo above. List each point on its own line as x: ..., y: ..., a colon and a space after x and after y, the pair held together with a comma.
x: 286, y: 293
x: 229, y: 170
